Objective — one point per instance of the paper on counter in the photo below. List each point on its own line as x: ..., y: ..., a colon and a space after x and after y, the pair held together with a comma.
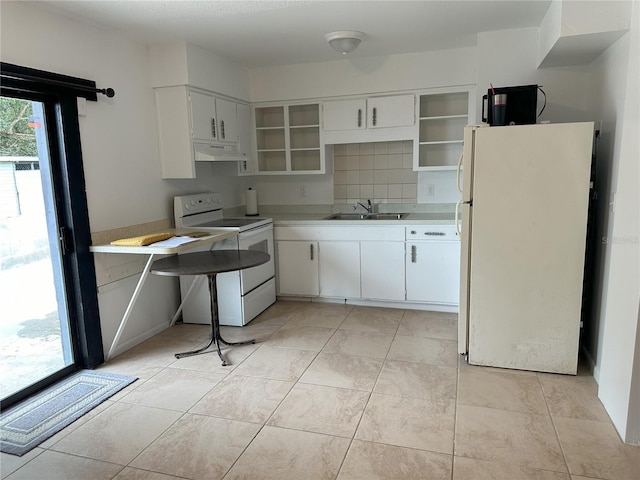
x: 173, y: 242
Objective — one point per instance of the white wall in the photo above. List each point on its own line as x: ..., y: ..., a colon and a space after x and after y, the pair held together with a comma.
x: 509, y: 57
x: 615, y: 100
x: 213, y: 72
x: 359, y: 76
x: 119, y: 140
x: 503, y: 58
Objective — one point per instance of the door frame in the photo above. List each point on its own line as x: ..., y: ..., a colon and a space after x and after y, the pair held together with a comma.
x: 70, y: 203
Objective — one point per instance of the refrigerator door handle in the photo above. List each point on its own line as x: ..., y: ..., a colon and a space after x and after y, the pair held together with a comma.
x: 458, y: 173
x: 457, y: 216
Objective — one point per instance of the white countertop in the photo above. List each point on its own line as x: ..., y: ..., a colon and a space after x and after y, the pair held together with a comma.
x: 213, y: 236
x: 320, y: 219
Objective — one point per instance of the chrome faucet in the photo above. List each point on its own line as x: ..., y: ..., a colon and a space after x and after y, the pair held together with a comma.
x: 368, y: 207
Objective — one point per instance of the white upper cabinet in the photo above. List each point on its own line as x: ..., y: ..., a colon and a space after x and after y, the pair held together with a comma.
x: 288, y: 139
x: 195, y: 125
x: 344, y: 115
x: 203, y: 115
x: 391, y: 111
x: 214, y: 119
x: 227, y: 118
x: 244, y: 138
x: 442, y: 118
x: 383, y: 118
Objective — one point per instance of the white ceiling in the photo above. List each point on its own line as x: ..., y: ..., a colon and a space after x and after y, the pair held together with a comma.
x: 264, y: 32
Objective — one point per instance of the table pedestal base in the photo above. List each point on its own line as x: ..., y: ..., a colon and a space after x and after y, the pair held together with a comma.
x: 216, y: 339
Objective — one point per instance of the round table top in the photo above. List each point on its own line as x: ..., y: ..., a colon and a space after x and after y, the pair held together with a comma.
x: 208, y: 263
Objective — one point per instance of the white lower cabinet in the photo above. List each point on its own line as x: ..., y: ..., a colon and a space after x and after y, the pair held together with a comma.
x: 339, y: 269
x: 382, y: 270
x: 297, y: 267
x: 378, y: 263
x: 433, y: 265
x: 356, y: 262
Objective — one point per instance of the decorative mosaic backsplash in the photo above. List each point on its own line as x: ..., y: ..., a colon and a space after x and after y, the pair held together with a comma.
x: 380, y: 171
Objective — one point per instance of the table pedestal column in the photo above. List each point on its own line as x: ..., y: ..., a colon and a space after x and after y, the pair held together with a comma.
x: 216, y: 338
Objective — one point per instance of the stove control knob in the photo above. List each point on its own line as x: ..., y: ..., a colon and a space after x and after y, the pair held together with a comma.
x: 187, y: 206
x: 193, y: 202
x: 209, y: 200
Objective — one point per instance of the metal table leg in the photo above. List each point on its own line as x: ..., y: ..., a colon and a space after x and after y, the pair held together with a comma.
x: 127, y: 313
x: 216, y: 339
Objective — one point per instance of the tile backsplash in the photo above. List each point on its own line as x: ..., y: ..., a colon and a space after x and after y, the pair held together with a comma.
x: 379, y: 171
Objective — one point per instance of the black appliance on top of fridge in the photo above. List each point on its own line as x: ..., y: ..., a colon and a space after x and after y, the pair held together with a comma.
x: 521, y: 105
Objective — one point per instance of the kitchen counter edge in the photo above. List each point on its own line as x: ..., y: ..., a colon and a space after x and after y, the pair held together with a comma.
x: 282, y: 219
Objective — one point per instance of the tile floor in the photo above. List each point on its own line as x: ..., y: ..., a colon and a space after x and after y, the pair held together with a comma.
x: 333, y: 392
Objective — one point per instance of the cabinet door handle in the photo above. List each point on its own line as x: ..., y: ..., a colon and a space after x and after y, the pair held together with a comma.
x: 222, y: 129
x: 311, y: 251
x: 414, y: 253
x: 359, y: 117
x: 375, y: 114
x: 213, y: 127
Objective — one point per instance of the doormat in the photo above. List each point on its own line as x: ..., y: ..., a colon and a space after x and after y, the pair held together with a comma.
x: 26, y: 425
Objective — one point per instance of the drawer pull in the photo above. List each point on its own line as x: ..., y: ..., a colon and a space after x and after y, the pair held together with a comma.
x: 311, y: 251
x: 435, y: 234
x: 359, y: 117
x: 213, y: 127
x: 414, y: 254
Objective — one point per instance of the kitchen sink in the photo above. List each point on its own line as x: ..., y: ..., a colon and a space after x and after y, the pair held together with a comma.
x: 366, y: 216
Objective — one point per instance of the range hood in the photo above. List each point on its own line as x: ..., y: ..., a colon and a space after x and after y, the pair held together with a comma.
x: 212, y: 152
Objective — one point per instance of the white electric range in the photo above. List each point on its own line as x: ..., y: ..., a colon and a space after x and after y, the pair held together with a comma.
x: 242, y: 295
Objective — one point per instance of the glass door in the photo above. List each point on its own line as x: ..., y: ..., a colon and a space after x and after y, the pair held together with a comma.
x: 35, y: 333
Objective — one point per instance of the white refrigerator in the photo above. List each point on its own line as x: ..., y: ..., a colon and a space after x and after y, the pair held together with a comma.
x: 523, y: 227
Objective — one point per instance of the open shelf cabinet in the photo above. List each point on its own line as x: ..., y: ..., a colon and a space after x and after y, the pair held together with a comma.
x: 288, y: 139
x: 442, y: 118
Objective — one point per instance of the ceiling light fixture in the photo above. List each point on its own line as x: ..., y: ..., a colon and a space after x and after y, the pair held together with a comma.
x: 344, y: 41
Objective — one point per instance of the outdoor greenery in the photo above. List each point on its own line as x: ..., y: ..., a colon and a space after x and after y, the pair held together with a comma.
x: 17, y: 138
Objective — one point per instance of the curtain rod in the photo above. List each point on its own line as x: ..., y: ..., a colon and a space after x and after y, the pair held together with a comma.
x: 10, y: 71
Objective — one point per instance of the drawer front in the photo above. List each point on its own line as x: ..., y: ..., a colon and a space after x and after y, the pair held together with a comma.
x: 431, y: 233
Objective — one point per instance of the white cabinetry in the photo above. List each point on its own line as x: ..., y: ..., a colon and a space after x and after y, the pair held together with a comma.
x: 190, y: 120
x: 339, y: 269
x: 244, y: 137
x: 227, y: 118
x: 288, y: 139
x: 442, y: 118
x: 433, y: 264
x: 383, y: 118
x: 391, y: 111
x: 355, y: 262
x: 297, y: 263
x: 396, y: 263
x: 382, y: 270
x: 213, y: 119
x: 338, y: 115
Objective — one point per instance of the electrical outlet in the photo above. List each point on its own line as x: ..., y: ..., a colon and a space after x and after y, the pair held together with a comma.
x: 303, y: 192
x: 431, y: 190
